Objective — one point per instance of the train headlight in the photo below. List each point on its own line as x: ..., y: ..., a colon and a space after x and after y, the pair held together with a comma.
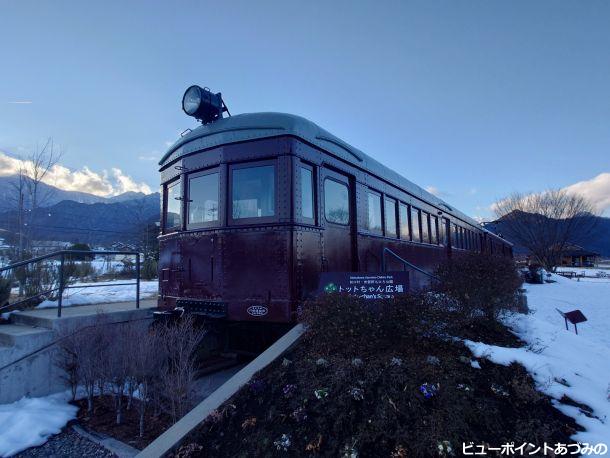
x: 203, y: 104
x: 191, y: 101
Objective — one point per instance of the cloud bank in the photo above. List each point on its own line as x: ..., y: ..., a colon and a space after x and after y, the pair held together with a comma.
x: 596, y: 190
x: 85, y: 180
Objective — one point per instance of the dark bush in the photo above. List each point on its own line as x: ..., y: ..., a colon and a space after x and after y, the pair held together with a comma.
x: 482, y: 284
x: 364, y: 328
x: 149, y: 269
x: 5, y: 290
x: 80, y: 256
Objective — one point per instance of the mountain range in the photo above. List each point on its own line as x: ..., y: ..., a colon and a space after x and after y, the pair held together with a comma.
x: 596, y: 240
x: 74, y: 216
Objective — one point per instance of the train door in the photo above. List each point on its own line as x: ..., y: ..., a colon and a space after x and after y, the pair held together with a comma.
x: 339, y: 218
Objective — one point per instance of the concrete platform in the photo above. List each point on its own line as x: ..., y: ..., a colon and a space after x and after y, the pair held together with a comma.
x: 20, y: 336
x: 83, y: 315
x: 27, y: 344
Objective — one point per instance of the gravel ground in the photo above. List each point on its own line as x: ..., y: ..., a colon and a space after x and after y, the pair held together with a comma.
x: 67, y: 444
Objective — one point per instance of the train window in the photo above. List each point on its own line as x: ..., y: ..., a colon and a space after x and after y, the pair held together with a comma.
x: 253, y: 192
x: 456, y: 240
x: 307, y: 202
x: 425, y: 227
x: 390, y: 218
x: 173, y: 205
x: 203, y: 198
x: 433, y: 229
x: 336, y: 202
x: 415, y: 226
x: 374, y: 219
x: 403, y: 218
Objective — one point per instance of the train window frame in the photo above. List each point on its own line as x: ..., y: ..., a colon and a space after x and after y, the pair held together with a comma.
x: 254, y: 219
x: 424, y: 218
x: 417, y: 211
x: 166, y: 186
x: 434, y: 236
x: 187, y: 181
x: 370, y: 193
x: 314, y: 194
x: 407, y: 226
x: 394, y: 202
x: 349, y: 209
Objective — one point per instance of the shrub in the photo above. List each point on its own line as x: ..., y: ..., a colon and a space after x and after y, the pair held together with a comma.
x: 364, y: 328
x: 5, y: 290
x: 149, y: 269
x: 482, y: 284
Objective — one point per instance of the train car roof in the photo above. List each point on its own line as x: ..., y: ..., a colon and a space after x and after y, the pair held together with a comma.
x: 252, y: 126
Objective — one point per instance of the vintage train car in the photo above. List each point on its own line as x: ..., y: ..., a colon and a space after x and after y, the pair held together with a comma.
x: 256, y: 206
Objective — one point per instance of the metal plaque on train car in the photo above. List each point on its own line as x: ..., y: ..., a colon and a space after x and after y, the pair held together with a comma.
x: 371, y: 286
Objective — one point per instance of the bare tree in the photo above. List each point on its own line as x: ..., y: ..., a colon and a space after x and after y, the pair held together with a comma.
x: 38, y: 165
x: 180, y: 341
x: 546, y: 223
x: 147, y: 360
x: 118, y: 363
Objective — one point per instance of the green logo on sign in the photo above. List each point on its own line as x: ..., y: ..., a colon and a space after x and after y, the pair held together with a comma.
x: 330, y: 288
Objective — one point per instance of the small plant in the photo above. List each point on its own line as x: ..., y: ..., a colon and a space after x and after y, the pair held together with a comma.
x: 499, y: 390
x: 314, y: 445
x: 396, y: 362
x: 350, y: 451
x: 286, y: 362
x: 289, y: 390
x: 357, y: 394
x: 249, y: 422
x: 322, y: 362
x: 299, y: 414
x: 433, y: 360
x: 321, y: 393
x: 283, y: 443
x: 445, y: 448
x: 357, y: 362
x: 429, y: 390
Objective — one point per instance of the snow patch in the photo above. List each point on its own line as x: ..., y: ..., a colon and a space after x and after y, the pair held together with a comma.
x: 103, y: 293
x: 561, y: 362
x: 29, y: 422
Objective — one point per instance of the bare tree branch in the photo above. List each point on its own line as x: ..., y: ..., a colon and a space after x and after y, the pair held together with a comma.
x: 546, y: 223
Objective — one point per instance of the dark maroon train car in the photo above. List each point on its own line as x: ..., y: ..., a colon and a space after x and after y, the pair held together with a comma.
x: 255, y: 206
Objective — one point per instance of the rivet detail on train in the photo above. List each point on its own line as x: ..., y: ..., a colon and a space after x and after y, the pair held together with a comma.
x: 257, y: 310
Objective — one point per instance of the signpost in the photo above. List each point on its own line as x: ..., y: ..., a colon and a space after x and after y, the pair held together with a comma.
x: 369, y: 286
x: 574, y: 317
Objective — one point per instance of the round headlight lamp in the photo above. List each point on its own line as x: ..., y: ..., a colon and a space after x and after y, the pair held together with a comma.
x: 191, y: 101
x: 203, y: 105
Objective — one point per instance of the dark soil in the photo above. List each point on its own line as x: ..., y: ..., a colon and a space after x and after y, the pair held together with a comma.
x: 103, y: 421
x: 392, y: 380
x: 394, y: 418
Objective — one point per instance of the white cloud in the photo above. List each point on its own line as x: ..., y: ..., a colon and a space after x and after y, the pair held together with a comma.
x: 20, y: 102
x: 84, y: 180
x: 596, y: 190
x: 149, y: 157
x: 433, y: 190
x: 437, y: 192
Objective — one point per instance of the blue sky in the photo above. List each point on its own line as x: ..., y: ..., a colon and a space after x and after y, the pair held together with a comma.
x: 474, y: 99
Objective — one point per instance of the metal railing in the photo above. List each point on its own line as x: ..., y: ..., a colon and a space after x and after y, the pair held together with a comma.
x: 404, y: 262
x: 62, y: 285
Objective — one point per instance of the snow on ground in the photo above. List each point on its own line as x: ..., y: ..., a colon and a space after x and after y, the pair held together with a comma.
x: 106, y: 292
x: 561, y: 362
x: 31, y: 421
